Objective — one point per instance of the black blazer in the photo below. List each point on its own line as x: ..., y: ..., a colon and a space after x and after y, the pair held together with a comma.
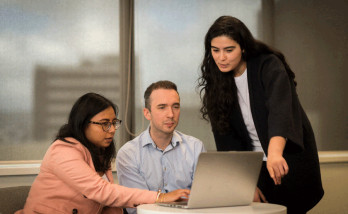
x: 276, y: 111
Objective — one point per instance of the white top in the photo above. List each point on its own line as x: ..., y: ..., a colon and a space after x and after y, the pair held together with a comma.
x: 244, y: 103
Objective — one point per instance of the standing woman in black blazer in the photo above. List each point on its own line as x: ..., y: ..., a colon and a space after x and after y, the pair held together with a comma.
x: 249, y: 96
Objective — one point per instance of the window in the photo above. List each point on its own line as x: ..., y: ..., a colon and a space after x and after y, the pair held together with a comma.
x: 51, y: 53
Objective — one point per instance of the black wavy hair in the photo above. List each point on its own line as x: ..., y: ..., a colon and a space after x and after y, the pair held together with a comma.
x: 218, y: 90
x: 86, y: 107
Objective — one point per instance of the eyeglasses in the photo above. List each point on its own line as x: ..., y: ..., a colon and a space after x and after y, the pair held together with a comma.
x: 107, y: 125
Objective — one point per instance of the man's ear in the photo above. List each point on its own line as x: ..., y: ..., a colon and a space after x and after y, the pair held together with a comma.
x: 147, y: 113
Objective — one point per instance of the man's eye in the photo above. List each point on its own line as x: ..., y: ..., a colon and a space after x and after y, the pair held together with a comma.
x: 105, y: 123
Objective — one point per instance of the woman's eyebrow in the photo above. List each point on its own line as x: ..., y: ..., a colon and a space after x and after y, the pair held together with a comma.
x: 224, y: 47
x: 104, y: 119
x: 107, y: 120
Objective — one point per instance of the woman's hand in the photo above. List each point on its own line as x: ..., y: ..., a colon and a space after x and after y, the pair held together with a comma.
x: 276, y: 164
x: 259, y: 197
x: 176, y: 195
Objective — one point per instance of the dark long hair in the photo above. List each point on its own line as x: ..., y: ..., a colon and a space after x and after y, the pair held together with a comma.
x: 218, y: 90
x: 81, y: 113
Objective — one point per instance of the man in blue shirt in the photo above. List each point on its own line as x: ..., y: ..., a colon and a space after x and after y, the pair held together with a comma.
x: 160, y: 158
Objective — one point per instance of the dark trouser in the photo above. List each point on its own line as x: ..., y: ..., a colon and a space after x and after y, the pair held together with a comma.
x: 279, y: 194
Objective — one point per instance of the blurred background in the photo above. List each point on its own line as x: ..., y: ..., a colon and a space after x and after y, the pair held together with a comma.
x: 52, y: 52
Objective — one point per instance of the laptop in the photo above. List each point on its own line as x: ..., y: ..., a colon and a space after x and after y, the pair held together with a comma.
x: 223, y: 179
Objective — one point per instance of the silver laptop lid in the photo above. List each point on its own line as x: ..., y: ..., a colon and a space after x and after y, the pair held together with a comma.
x: 225, y: 179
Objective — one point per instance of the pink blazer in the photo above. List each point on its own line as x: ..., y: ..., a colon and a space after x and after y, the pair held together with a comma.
x: 68, y: 183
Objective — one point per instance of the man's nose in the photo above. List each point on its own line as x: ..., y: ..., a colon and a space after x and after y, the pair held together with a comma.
x: 170, y: 112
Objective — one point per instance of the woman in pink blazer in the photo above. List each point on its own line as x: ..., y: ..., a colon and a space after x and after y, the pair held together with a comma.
x: 75, y: 174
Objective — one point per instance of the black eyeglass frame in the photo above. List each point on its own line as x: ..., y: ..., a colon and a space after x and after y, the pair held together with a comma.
x: 107, y: 125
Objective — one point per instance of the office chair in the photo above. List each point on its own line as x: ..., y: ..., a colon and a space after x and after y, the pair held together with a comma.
x: 13, y: 198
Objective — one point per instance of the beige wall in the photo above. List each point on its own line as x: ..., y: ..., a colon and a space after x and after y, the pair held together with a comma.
x: 24, y: 180
x: 335, y: 182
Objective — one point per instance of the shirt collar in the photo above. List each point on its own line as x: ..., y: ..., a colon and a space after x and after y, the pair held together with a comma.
x: 176, y: 139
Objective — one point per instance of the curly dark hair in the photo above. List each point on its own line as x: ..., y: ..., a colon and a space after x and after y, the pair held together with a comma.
x: 86, y: 107
x: 218, y: 90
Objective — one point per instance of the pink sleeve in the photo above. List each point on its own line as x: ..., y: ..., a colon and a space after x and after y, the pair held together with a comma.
x: 69, y: 165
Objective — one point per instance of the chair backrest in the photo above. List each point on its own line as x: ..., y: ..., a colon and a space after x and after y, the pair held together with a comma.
x: 13, y: 198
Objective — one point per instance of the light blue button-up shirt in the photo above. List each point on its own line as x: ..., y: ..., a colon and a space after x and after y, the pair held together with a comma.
x: 140, y: 164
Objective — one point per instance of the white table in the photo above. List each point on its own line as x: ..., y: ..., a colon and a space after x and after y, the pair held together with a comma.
x: 255, y: 208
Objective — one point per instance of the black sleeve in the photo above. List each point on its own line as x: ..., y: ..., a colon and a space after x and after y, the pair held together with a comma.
x: 284, y: 118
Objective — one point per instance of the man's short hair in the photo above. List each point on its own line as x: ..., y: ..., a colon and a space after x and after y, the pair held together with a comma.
x: 163, y: 84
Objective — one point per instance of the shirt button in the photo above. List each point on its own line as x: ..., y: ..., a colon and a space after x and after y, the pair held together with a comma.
x: 165, y: 168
